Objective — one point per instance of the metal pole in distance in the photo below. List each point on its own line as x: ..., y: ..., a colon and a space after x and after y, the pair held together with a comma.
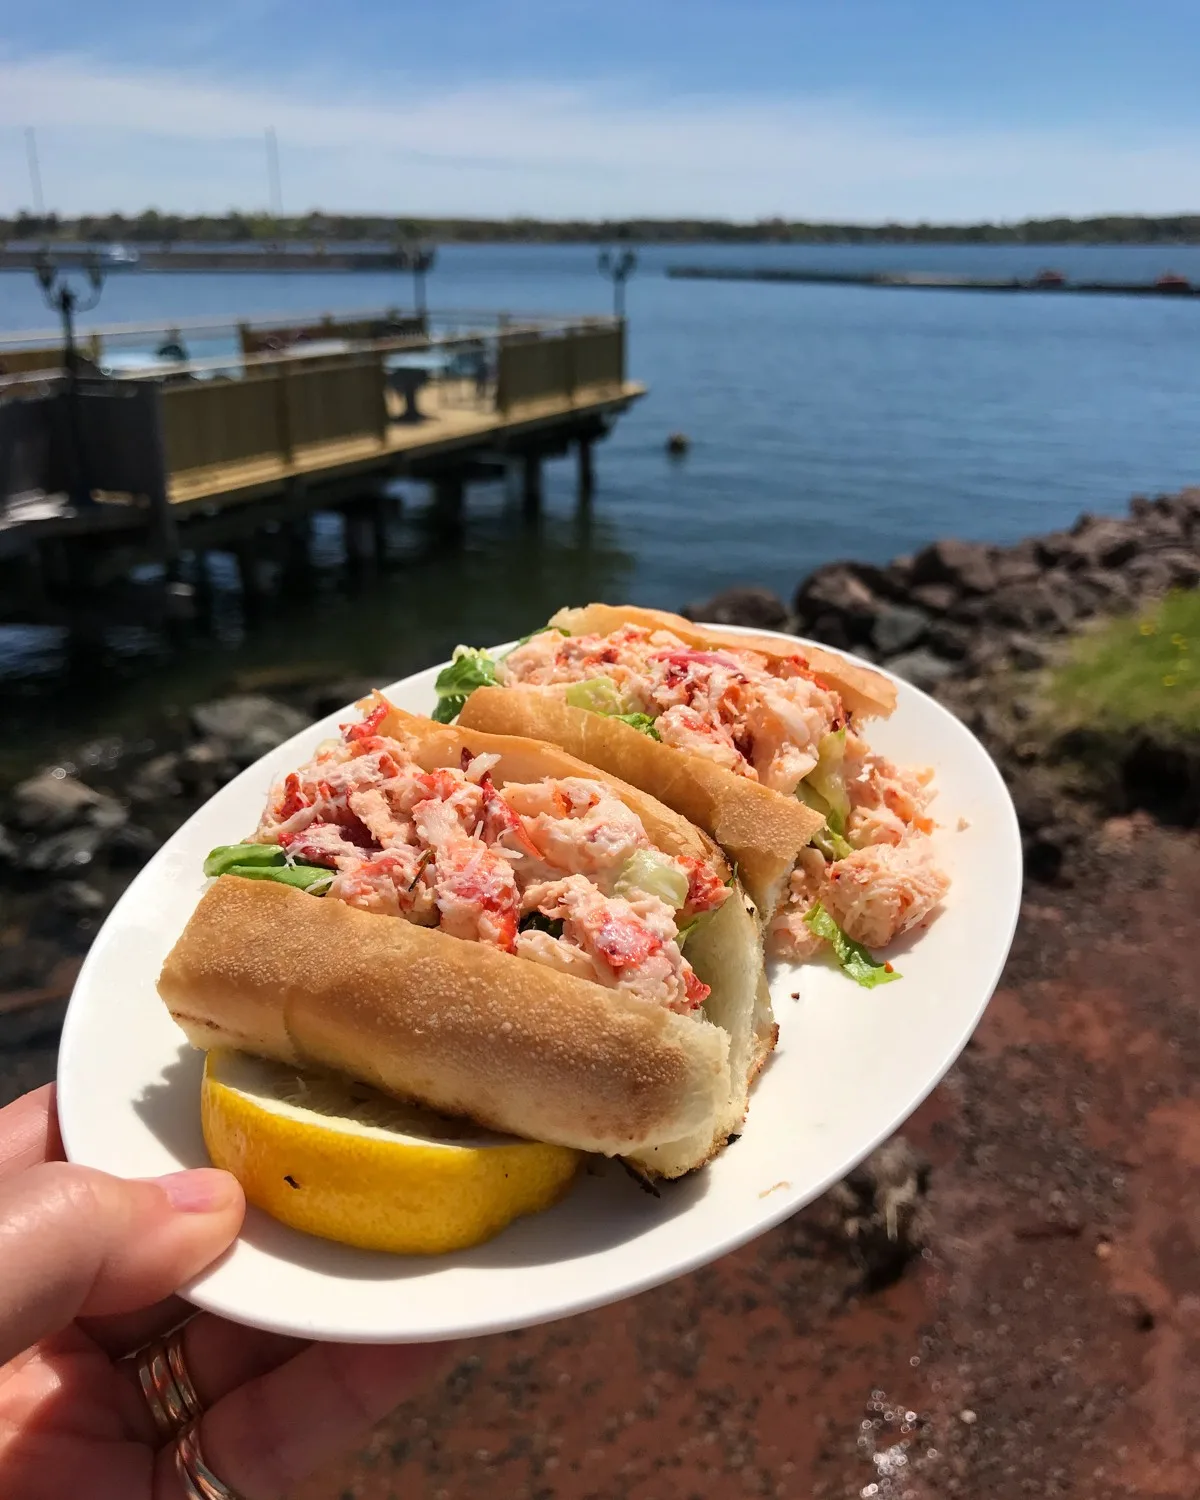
x: 35, y: 172
x: 274, y: 188
x: 66, y: 308
x: 63, y: 299
x: 81, y: 494
x: 419, y: 259
x: 618, y: 268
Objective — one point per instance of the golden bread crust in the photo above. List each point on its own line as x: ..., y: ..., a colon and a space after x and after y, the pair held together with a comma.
x: 468, y: 1029
x: 456, y: 1025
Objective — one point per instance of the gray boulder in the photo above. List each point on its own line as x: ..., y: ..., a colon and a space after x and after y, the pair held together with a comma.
x: 204, y: 766
x: 69, y: 850
x: 76, y: 898
x: 937, y: 598
x: 966, y: 566
x: 247, y: 725
x: 1101, y: 542
x: 897, y: 627
x: 744, y: 605
x: 921, y: 668
x: 157, y: 780
x: 1016, y: 564
x: 1028, y: 653
x: 844, y: 591
x: 949, y: 640
x: 1032, y: 607
x: 1152, y: 574
x: 52, y: 800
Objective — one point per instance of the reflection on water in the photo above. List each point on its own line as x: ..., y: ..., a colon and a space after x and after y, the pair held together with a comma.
x: 502, y: 574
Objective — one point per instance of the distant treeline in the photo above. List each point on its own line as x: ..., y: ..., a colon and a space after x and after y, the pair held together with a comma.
x: 159, y: 228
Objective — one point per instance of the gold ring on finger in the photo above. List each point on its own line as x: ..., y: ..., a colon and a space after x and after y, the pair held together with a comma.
x: 199, y: 1481
x: 166, y: 1384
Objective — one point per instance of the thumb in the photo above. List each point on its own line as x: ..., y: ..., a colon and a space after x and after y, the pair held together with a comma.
x: 73, y: 1241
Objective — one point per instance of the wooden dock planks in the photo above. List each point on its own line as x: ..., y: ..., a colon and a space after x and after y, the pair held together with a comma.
x: 442, y: 431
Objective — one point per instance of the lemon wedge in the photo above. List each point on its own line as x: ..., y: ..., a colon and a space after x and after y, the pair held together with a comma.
x: 340, y: 1160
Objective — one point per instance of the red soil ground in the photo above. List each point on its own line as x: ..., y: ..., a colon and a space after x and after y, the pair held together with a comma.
x: 1046, y: 1341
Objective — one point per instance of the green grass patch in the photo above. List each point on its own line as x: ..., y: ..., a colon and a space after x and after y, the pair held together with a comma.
x: 1133, y: 671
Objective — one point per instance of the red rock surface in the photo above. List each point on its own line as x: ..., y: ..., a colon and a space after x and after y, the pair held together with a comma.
x: 1046, y: 1342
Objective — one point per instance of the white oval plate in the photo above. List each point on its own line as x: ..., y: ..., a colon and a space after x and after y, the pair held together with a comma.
x: 852, y: 1064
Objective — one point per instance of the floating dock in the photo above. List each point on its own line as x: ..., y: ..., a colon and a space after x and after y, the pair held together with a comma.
x: 1045, y: 281
x: 24, y: 256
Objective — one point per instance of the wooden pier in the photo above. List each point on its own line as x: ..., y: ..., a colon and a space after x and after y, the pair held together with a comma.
x: 197, y: 460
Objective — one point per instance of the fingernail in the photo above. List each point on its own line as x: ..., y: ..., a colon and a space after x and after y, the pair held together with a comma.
x: 201, y: 1191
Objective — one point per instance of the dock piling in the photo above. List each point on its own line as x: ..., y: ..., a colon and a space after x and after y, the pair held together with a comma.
x: 448, y: 496
x: 245, y: 557
x: 531, y: 483
x: 297, y: 552
x: 586, y: 469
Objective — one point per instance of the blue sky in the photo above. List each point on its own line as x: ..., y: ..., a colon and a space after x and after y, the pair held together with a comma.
x: 857, y: 109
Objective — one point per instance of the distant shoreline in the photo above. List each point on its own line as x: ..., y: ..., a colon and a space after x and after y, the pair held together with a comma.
x: 153, y: 227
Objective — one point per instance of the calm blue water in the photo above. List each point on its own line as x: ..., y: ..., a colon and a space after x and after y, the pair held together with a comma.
x: 825, y: 421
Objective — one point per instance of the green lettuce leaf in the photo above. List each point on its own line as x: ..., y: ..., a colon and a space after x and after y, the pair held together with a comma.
x: 828, y: 779
x: 222, y: 860
x: 541, y: 630
x: 647, y: 872
x: 853, y: 957
x: 598, y: 695
x: 832, y: 845
x: 469, y: 669
x: 827, y: 839
x: 686, y: 930
x: 265, y: 862
x: 643, y: 723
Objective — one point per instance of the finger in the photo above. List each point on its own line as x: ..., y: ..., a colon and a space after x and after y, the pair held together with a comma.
x: 75, y: 1241
x: 124, y: 1332
x: 210, y: 1343
x: 263, y: 1439
x: 29, y: 1132
x: 219, y: 1357
x: 222, y: 1356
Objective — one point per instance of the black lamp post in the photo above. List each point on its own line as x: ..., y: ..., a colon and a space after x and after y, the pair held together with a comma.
x: 419, y: 259
x: 618, y: 266
x: 63, y: 299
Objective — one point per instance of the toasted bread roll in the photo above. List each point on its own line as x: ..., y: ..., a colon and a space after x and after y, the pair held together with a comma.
x: 470, y: 1030
x: 761, y: 830
x: 867, y: 694
x: 456, y: 1025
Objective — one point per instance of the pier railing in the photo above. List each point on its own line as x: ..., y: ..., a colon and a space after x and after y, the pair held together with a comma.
x: 225, y: 338
x: 281, y: 406
x: 586, y: 359
x: 230, y: 425
x: 273, y: 411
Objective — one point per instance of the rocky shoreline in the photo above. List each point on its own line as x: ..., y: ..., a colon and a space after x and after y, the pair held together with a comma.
x: 974, y: 624
x: 967, y: 621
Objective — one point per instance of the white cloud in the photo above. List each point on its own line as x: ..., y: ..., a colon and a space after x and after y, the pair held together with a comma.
x: 112, y: 139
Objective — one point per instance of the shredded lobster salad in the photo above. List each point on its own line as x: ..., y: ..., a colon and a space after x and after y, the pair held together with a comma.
x: 869, y: 874
x: 559, y: 872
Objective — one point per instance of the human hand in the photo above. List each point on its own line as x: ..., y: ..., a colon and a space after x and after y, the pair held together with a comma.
x: 88, y: 1266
